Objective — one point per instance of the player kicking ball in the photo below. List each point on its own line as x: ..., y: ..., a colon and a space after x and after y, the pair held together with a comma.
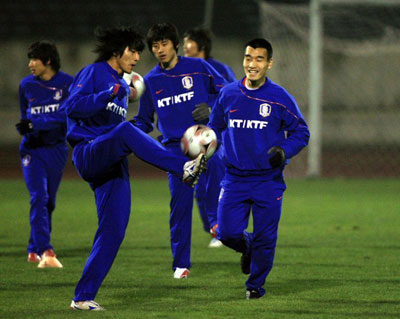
x: 102, y: 139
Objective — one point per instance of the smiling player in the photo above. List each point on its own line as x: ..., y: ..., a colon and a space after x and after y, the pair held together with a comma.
x: 261, y: 127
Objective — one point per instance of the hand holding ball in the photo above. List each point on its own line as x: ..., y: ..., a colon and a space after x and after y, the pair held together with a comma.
x: 136, y: 82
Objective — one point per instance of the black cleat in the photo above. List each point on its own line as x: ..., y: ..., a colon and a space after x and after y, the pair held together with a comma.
x: 253, y: 294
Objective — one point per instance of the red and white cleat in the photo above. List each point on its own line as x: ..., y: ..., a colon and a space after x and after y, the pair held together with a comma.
x: 49, y: 260
x: 33, y: 258
x: 181, y: 273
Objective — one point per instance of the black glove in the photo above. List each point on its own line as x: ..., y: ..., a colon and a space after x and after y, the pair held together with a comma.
x: 24, y: 127
x: 116, y: 91
x: 201, y: 112
x: 277, y: 157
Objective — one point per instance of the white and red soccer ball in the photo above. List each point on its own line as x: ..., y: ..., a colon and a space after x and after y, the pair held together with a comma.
x: 199, y: 139
x: 136, y: 83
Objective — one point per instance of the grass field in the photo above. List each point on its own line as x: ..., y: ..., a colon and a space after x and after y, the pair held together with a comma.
x: 338, y: 256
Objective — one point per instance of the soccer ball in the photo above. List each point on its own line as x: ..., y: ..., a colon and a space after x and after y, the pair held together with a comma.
x: 199, y: 139
x: 136, y: 83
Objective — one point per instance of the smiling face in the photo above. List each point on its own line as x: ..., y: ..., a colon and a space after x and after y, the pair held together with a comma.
x: 126, y: 62
x: 255, y: 66
x: 164, y: 51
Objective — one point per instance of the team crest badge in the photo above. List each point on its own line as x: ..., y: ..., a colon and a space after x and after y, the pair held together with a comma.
x: 187, y: 82
x: 58, y: 95
x: 26, y: 160
x: 265, y: 109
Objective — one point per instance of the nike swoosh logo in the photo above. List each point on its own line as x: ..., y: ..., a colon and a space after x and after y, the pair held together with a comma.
x: 279, y: 198
x: 231, y: 111
x: 159, y: 91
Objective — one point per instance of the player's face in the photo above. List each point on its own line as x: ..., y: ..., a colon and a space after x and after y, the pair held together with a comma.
x: 255, y: 65
x: 190, y: 48
x: 164, y: 51
x: 127, y: 61
x: 37, y: 67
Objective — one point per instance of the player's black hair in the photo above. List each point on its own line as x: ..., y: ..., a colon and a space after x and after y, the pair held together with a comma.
x: 45, y: 51
x: 203, y: 39
x: 261, y: 43
x: 163, y: 31
x: 113, y: 41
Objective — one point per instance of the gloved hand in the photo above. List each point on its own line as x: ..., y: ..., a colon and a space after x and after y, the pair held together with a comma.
x: 201, y: 112
x: 24, y: 127
x: 277, y: 157
x: 116, y: 91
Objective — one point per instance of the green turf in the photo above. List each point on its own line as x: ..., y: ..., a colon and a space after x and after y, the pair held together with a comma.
x: 338, y: 256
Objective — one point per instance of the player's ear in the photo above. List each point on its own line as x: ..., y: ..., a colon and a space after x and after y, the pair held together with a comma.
x: 270, y: 63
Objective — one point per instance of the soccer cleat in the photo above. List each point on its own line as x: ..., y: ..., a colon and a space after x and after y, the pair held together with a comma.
x: 181, y: 273
x: 253, y: 294
x: 86, y: 305
x: 215, y: 243
x: 213, y: 231
x: 33, y: 258
x: 192, y: 170
x: 49, y: 260
x: 245, y: 262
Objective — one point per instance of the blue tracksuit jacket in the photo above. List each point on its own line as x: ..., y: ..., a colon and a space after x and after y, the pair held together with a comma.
x: 43, y: 151
x: 173, y: 95
x: 249, y: 123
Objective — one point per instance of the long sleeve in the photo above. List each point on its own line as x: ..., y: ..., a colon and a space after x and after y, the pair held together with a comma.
x: 83, y: 102
x: 297, y: 130
x: 145, y: 117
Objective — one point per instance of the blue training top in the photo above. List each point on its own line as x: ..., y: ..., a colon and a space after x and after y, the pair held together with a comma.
x: 90, y: 110
x: 173, y: 95
x: 41, y: 102
x: 252, y: 121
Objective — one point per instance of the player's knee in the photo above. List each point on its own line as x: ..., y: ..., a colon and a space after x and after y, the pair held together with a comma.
x: 228, y: 238
x: 266, y: 240
x: 39, y: 199
x: 122, y: 130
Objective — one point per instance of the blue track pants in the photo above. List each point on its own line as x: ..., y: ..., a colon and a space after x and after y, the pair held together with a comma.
x: 43, y: 168
x: 264, y: 198
x: 103, y: 163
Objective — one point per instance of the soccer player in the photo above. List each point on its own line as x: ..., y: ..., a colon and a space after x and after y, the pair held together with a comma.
x: 262, y: 128
x: 180, y: 90
x: 102, y: 140
x: 43, y: 148
x: 197, y: 44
